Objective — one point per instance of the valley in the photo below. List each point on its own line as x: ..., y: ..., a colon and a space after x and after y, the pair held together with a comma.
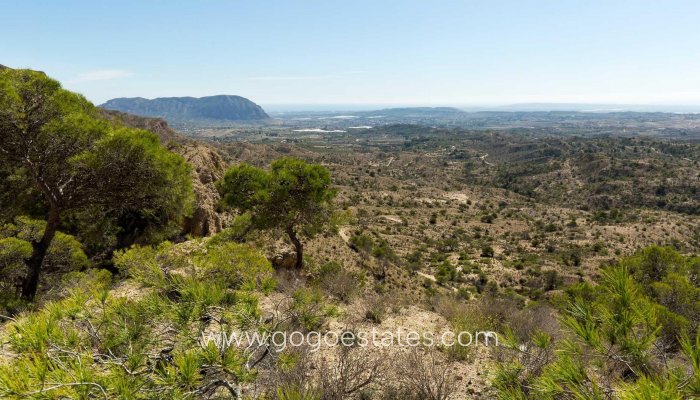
x: 335, y: 200
x: 530, y: 228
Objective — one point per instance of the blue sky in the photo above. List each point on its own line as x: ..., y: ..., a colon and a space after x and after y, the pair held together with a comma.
x: 364, y: 52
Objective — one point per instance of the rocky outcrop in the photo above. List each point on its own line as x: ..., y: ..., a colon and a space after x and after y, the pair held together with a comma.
x: 207, y: 163
x: 283, y: 260
x: 208, y: 167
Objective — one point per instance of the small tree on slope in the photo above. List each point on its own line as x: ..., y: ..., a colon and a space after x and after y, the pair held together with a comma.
x: 293, y: 196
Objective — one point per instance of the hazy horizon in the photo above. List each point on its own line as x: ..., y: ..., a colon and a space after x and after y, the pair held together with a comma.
x: 580, y: 107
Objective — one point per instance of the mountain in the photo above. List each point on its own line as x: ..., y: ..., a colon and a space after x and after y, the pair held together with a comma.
x: 191, y: 109
x: 415, y: 112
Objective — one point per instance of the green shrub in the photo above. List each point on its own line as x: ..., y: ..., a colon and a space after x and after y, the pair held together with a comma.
x: 653, y: 263
x: 487, y: 218
x: 146, y: 264
x: 13, y: 252
x: 234, y: 265
x: 362, y: 243
x: 309, y: 309
x: 447, y: 273
x: 487, y: 251
x: 65, y: 253
x: 641, y: 304
x: 226, y: 264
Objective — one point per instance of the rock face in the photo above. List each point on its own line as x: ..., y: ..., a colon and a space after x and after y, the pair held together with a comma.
x: 208, y: 166
x: 283, y: 260
x: 191, y: 109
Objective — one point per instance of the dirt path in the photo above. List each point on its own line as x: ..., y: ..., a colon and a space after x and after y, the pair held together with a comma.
x: 483, y: 158
x: 343, y: 233
x: 426, y: 276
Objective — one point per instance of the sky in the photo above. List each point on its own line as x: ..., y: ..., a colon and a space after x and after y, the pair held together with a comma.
x: 307, y: 53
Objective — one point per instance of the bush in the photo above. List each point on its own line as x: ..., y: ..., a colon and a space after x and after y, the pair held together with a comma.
x: 487, y: 251
x: 362, y: 243
x: 89, y: 344
x: 13, y: 251
x: 447, y: 273
x: 614, y: 327
x: 65, y: 253
x: 309, y: 309
x: 653, y: 263
x: 231, y: 265
x: 424, y: 376
x: 146, y: 264
x: 552, y: 280
x: 487, y: 218
x: 235, y: 265
x: 383, y: 251
x: 376, y: 309
x: 337, y: 281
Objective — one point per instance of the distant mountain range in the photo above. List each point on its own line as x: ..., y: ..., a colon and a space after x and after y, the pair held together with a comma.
x: 191, y: 109
x: 587, y: 108
x: 414, y: 112
x: 355, y: 109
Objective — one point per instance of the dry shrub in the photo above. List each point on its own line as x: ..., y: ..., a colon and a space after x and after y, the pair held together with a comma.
x: 502, y: 313
x: 467, y: 315
x: 421, y: 374
x: 353, y: 370
x: 539, y: 317
x: 342, y: 285
x: 289, y: 281
x: 377, y: 306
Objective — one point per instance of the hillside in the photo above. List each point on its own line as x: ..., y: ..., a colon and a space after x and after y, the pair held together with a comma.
x: 191, y: 109
x: 156, y: 125
x: 408, y: 230
x: 207, y: 163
